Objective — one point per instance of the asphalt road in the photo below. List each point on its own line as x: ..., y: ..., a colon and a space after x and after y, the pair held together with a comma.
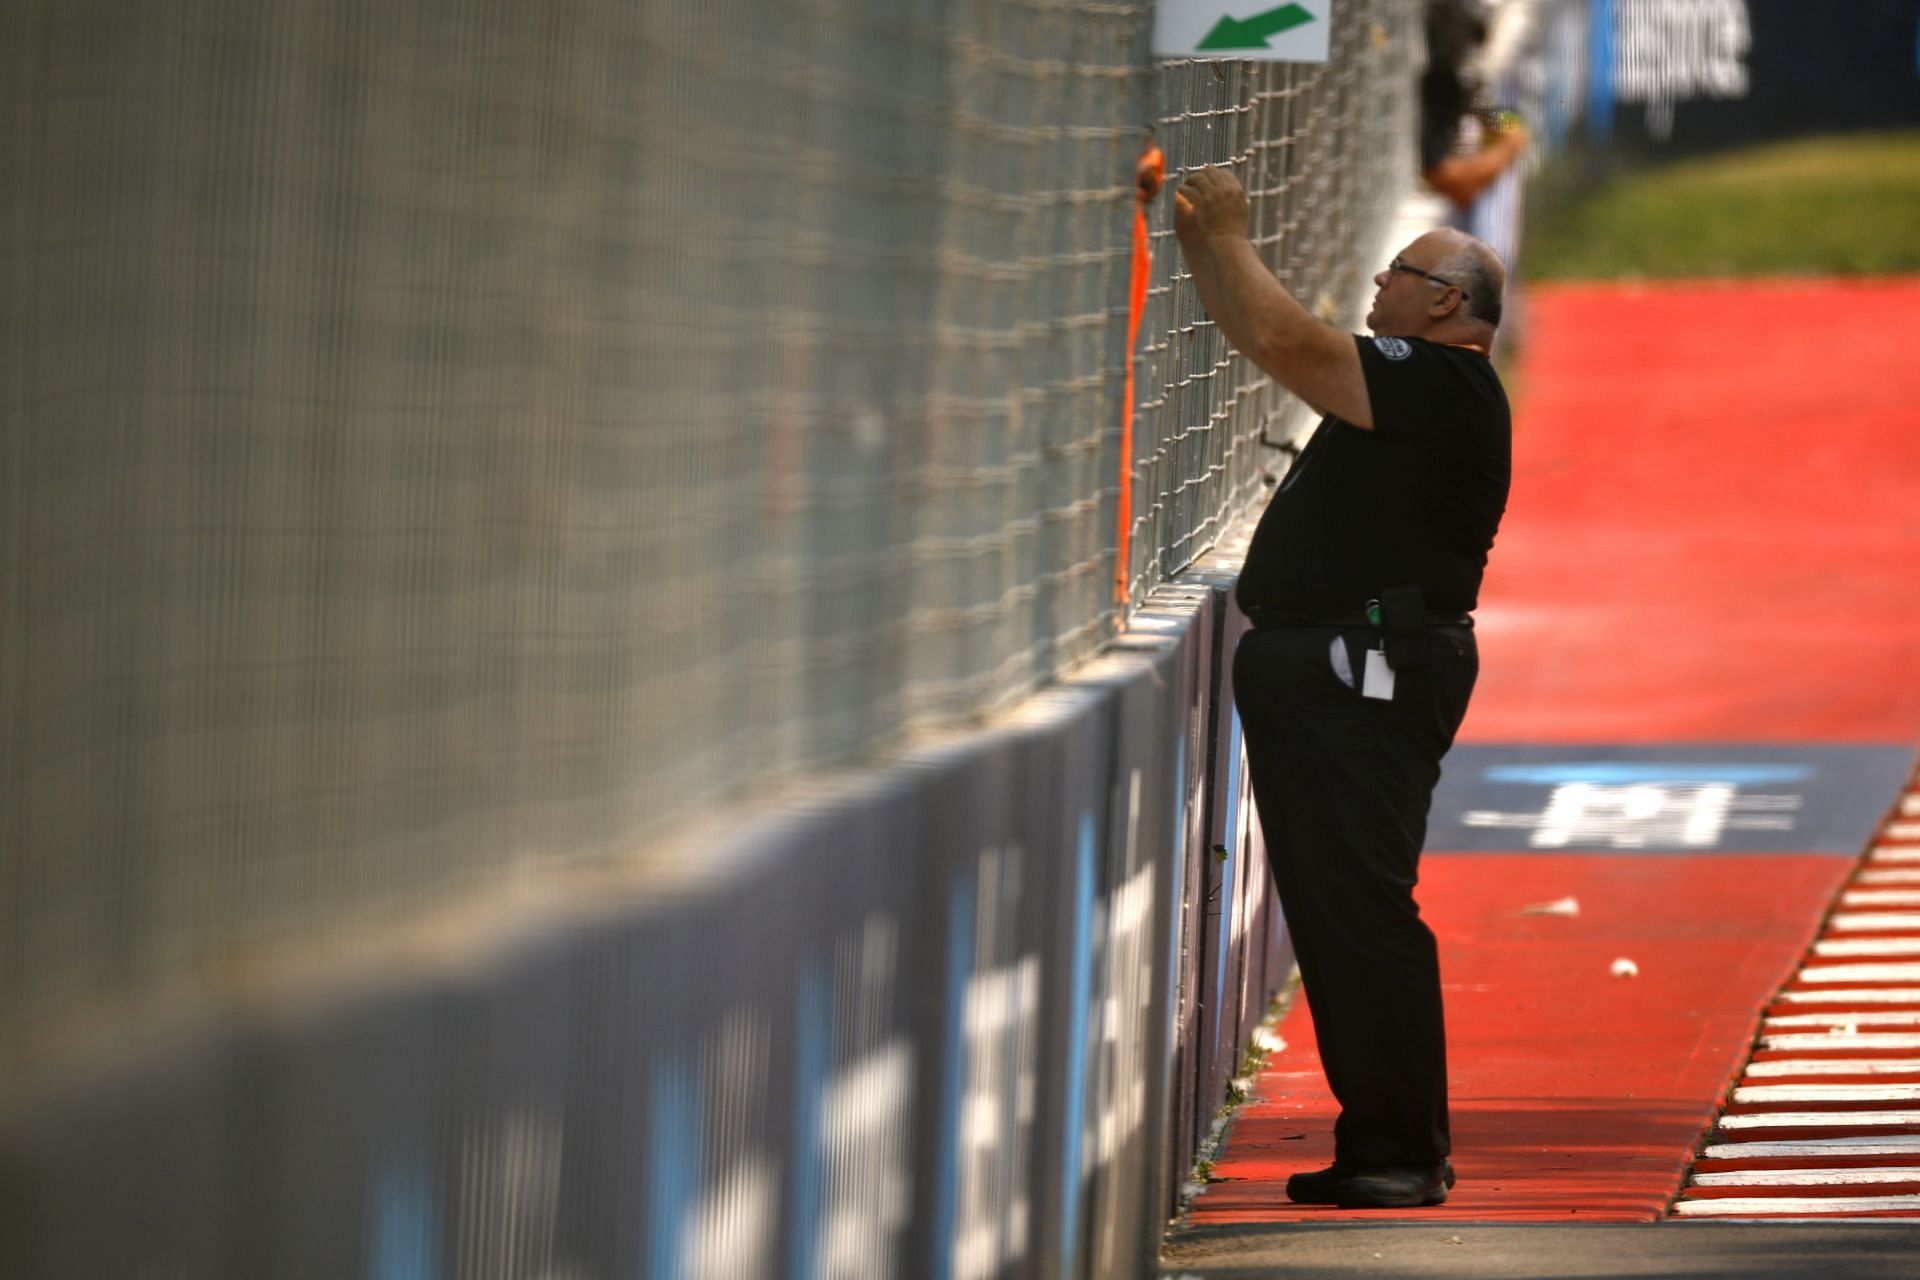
x: 1828, y: 1250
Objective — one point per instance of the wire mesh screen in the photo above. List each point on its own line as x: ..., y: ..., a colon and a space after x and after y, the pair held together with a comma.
x: 1325, y: 152
x: 447, y: 440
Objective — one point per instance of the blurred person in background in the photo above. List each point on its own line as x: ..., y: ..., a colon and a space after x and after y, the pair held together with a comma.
x: 1359, y: 582
x: 1470, y: 152
x: 1465, y: 145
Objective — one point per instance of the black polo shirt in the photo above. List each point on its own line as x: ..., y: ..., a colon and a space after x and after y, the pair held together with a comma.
x: 1415, y: 501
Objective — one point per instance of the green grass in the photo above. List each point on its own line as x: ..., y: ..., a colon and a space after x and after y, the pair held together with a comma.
x: 1846, y: 205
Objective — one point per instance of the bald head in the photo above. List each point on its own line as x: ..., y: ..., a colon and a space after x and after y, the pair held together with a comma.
x: 1477, y: 269
x: 1444, y: 287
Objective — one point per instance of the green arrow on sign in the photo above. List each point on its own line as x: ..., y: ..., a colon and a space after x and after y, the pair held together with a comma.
x: 1252, y: 33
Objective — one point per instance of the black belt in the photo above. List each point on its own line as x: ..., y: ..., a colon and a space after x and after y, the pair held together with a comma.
x: 1264, y: 618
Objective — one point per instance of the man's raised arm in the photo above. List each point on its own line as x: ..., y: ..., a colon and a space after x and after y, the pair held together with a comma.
x: 1308, y: 357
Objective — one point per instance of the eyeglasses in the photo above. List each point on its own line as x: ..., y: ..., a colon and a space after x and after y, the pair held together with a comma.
x: 1400, y: 265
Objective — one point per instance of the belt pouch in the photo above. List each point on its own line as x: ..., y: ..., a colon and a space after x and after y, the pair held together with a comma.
x: 1403, y: 623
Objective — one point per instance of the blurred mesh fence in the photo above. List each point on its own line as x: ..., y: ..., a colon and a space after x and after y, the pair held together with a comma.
x: 444, y: 440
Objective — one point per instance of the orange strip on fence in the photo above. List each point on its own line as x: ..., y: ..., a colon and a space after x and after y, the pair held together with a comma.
x: 1149, y: 176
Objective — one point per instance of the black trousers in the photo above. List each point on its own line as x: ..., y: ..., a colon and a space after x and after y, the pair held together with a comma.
x: 1343, y: 784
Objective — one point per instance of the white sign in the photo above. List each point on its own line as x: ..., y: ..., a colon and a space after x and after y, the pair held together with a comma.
x: 1675, y: 815
x: 1294, y: 31
x: 1668, y: 53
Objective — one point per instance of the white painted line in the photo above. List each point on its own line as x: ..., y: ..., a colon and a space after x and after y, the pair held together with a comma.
x: 1894, y: 853
x: 1742, y: 1206
x: 1855, y: 995
x: 1867, y: 947
x: 1807, y: 1177
x: 1847, y: 1018
x: 1902, y: 831
x: 1834, y: 1067
x: 1827, y: 1093
x: 1824, y: 973
x: 1910, y: 805
x: 1862, y: 1144
x: 1875, y: 921
x: 1880, y: 898
x: 1893, y: 875
x: 1797, y: 1042
x: 1820, y: 1120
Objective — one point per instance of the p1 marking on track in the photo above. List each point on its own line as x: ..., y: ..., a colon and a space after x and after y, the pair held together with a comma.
x: 1700, y: 798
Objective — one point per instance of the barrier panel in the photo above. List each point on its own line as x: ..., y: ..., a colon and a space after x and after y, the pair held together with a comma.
x: 934, y: 1025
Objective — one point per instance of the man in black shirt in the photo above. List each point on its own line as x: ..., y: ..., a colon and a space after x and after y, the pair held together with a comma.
x: 1359, y: 583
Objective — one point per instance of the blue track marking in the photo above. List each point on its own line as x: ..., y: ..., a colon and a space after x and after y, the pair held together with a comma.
x: 1666, y: 799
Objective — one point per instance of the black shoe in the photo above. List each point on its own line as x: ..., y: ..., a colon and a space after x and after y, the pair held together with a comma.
x: 1367, y: 1187
x: 1318, y: 1187
x: 1408, y: 1187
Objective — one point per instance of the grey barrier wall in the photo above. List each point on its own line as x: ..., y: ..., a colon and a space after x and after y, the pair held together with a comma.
x: 959, y: 1019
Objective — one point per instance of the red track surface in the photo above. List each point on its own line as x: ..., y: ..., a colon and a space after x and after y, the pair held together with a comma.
x: 1714, y: 537
x: 1715, y: 525
x: 1576, y: 1095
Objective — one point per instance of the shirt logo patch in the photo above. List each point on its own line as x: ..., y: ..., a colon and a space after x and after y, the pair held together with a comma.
x: 1394, y: 348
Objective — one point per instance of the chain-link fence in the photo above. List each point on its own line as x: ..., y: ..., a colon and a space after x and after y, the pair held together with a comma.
x: 1326, y: 153
x: 442, y: 441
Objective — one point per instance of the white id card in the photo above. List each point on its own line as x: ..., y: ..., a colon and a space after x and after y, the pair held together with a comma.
x: 1378, y: 681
